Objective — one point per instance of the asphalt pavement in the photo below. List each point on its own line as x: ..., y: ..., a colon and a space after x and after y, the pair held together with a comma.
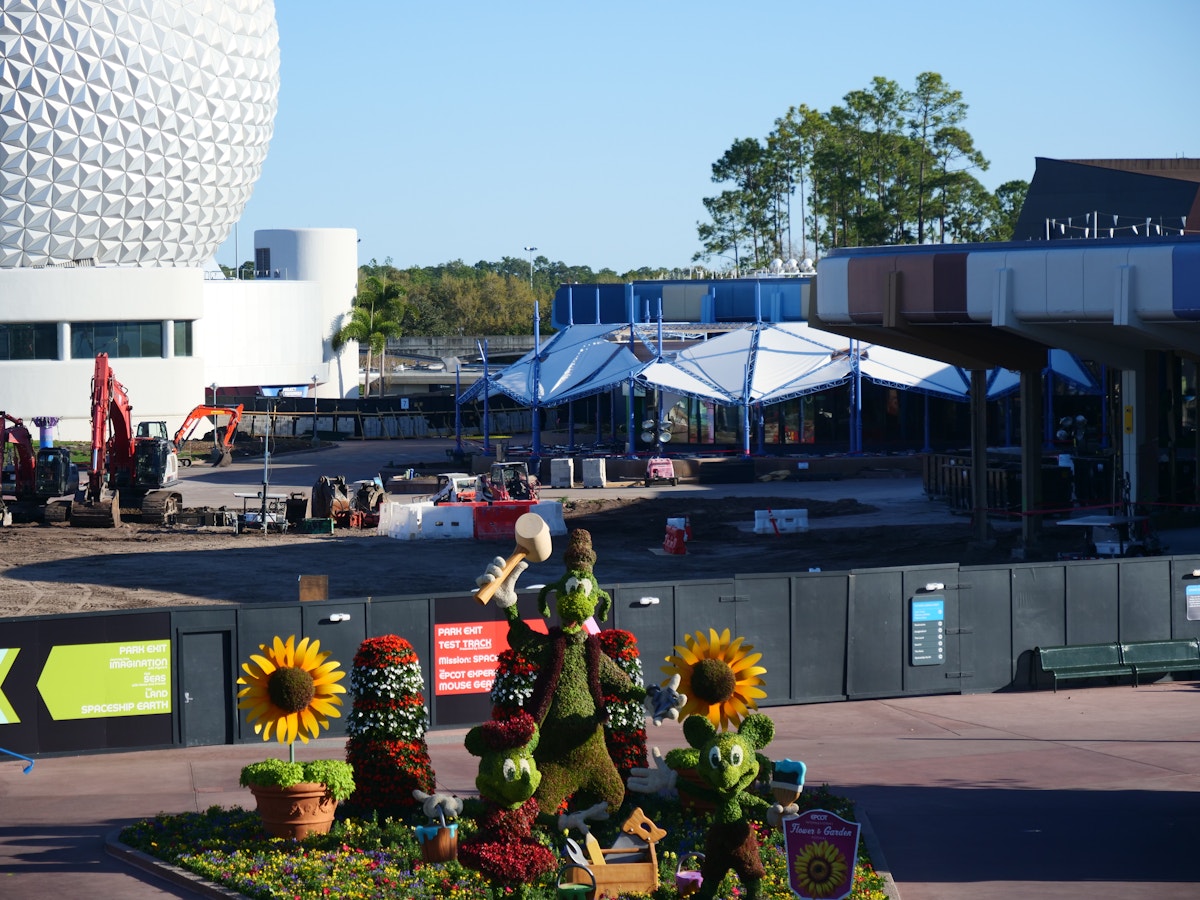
x: 1089, y: 793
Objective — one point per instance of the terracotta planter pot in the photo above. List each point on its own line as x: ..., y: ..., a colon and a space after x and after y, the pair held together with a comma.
x: 295, y: 811
x: 439, y: 843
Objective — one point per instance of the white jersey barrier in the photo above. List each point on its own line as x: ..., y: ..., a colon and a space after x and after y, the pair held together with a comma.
x: 425, y: 521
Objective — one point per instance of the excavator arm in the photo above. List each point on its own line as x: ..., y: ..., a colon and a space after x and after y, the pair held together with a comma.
x: 198, y: 414
x: 127, y: 473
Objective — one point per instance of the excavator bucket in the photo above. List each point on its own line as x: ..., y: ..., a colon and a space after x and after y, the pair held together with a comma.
x: 96, y: 513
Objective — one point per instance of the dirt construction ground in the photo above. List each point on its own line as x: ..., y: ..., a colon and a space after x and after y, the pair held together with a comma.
x: 867, y: 522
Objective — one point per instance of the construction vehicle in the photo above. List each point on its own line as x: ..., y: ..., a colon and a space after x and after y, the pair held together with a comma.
x: 222, y: 452
x: 349, y: 506
x: 129, y: 472
x: 510, y: 481
x: 456, y: 487
x: 39, y: 480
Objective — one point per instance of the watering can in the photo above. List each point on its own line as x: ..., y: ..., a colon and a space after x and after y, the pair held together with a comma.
x: 577, y: 891
x: 688, y: 882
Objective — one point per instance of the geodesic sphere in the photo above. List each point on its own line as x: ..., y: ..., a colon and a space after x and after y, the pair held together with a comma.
x: 131, y: 131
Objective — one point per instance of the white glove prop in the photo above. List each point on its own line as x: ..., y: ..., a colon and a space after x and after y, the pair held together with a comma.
x: 438, y: 806
x: 657, y: 779
x: 776, y: 813
x: 578, y: 820
x: 506, y: 594
x: 666, y: 701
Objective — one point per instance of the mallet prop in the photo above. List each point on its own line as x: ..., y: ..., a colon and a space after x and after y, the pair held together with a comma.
x: 533, y: 543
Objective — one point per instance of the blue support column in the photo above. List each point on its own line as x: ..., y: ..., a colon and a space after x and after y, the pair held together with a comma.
x: 535, y: 453
x: 458, y: 447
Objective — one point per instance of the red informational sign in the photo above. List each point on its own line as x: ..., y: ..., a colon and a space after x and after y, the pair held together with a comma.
x: 465, y: 654
x: 822, y: 851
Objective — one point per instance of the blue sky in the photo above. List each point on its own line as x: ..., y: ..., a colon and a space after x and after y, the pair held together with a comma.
x: 470, y: 130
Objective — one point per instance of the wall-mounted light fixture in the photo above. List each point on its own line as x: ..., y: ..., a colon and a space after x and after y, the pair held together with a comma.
x: 340, y: 617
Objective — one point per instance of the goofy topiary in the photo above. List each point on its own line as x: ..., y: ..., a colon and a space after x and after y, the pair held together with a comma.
x: 573, y: 676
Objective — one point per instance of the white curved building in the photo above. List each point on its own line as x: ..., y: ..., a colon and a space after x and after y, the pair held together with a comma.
x: 131, y: 135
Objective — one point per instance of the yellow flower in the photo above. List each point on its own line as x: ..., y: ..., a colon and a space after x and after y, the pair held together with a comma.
x: 291, y: 689
x: 820, y: 869
x: 719, y: 677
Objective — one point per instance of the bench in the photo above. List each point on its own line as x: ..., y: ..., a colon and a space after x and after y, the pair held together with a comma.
x: 1161, y: 657
x: 1082, y: 661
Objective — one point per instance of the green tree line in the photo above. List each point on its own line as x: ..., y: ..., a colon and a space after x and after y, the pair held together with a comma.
x: 887, y: 166
x: 457, y: 299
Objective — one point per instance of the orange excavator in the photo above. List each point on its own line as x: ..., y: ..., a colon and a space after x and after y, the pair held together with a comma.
x: 222, y: 438
x: 39, y: 479
x: 128, y: 473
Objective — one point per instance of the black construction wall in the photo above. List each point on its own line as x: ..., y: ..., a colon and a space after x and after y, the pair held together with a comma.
x: 824, y: 636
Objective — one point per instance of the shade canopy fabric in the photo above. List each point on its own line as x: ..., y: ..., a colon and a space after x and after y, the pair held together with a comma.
x: 758, y: 363
x: 772, y: 362
x: 574, y: 363
x: 1060, y: 363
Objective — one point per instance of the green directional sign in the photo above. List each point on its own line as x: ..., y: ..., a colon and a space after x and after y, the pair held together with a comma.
x: 8, y: 655
x: 99, y: 681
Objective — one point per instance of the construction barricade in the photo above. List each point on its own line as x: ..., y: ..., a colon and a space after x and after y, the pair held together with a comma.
x: 478, y: 520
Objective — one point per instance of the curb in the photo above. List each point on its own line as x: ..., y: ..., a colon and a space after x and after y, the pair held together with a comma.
x: 878, y: 860
x: 165, y: 871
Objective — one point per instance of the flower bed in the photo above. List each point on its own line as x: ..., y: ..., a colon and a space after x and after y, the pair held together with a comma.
x: 364, y: 859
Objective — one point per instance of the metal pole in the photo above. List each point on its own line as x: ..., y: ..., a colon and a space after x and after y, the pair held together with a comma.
x: 316, y: 440
x: 483, y: 351
x: 536, y: 450
x: 266, y: 482
x: 531, y: 251
x: 458, y: 410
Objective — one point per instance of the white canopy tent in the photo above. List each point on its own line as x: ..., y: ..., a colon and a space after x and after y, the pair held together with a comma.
x: 759, y: 363
x: 1060, y: 364
x: 575, y: 362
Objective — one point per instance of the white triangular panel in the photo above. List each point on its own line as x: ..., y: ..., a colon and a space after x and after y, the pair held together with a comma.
x: 107, y: 122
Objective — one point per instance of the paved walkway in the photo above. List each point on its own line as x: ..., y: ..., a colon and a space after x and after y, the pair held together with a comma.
x: 1087, y: 793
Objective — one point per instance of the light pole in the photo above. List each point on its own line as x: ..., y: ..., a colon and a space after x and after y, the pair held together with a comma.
x: 214, y: 390
x: 531, y: 251
x: 316, y: 440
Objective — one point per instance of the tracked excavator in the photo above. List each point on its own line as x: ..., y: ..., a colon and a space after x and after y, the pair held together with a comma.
x: 222, y: 437
x: 130, y: 475
x: 40, y: 480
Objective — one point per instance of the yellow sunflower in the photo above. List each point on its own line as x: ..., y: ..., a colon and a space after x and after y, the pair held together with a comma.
x: 719, y: 677
x: 291, y: 689
x: 821, y: 869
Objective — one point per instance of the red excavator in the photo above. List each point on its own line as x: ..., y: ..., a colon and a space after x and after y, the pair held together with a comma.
x: 222, y: 438
x: 128, y: 473
x: 38, y: 480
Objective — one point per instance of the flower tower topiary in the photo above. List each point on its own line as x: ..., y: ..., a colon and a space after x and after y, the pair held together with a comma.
x: 625, y: 731
x: 386, y: 727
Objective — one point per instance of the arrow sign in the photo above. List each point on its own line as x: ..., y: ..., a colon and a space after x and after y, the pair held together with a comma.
x: 8, y: 656
x: 99, y: 681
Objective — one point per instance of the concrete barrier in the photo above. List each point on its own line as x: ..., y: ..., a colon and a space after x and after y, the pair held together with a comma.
x: 499, y: 520
x: 780, y: 521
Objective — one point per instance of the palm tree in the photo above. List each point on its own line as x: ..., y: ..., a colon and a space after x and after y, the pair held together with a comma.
x: 374, y: 318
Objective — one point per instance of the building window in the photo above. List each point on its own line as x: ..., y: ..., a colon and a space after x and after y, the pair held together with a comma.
x: 117, y: 339
x: 262, y: 262
x: 34, y: 341
x: 183, y: 338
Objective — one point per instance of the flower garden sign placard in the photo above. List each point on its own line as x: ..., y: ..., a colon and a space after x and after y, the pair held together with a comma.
x: 822, y: 851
